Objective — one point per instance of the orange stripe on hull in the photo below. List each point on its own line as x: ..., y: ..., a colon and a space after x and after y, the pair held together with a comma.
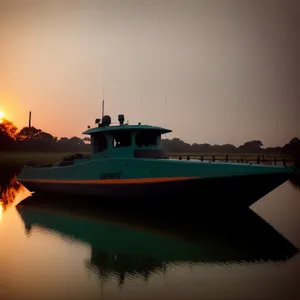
x: 110, y: 181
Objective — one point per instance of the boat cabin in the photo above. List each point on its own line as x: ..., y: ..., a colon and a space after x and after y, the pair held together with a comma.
x: 125, y: 141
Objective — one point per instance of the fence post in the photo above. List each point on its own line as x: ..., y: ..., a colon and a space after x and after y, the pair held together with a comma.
x: 275, y: 160
x: 227, y: 158
x: 201, y: 157
x: 213, y: 158
x: 258, y: 160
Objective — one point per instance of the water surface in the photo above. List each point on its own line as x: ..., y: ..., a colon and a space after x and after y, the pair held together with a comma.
x: 55, y: 253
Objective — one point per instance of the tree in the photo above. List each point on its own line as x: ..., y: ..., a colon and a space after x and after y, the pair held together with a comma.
x: 293, y: 147
x: 87, y: 140
x: 31, y: 138
x: 251, y: 146
x: 7, y: 135
x: 28, y: 133
x: 73, y: 144
x: 175, y: 145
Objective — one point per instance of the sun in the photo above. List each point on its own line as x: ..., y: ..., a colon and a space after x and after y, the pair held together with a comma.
x: 2, y: 116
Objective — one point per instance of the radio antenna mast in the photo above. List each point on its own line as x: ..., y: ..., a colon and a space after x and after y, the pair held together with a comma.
x: 103, y: 91
x: 165, y: 109
x: 165, y: 112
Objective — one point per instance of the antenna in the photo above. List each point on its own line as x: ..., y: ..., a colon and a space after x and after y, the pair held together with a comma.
x: 165, y: 112
x: 142, y: 114
x: 165, y: 109
x: 103, y: 91
x: 102, y: 109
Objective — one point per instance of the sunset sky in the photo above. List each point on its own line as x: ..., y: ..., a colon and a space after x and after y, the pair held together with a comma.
x: 226, y: 71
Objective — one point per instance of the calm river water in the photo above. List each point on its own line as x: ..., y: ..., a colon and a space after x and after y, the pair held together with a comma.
x: 51, y: 253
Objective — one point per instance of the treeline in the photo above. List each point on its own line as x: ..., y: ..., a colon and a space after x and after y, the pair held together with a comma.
x: 176, y: 145
x: 33, y: 139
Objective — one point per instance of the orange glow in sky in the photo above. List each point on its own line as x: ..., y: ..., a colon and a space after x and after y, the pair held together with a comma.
x: 205, y: 61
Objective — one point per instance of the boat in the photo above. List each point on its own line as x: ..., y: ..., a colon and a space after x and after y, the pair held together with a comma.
x: 128, y: 166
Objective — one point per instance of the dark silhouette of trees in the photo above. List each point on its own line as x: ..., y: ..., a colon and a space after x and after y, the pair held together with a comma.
x: 293, y: 147
x: 87, y: 139
x: 73, y: 143
x: 251, y: 146
x: 33, y: 139
x: 7, y: 133
x: 178, y: 146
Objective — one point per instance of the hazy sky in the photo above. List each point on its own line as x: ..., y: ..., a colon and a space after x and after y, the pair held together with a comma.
x: 226, y: 71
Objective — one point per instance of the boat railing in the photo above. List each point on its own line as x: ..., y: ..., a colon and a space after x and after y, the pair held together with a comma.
x: 259, y: 159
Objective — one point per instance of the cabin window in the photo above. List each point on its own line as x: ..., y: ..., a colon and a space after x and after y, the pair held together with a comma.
x: 122, y: 139
x: 100, y: 143
x: 150, y: 153
x: 146, y: 138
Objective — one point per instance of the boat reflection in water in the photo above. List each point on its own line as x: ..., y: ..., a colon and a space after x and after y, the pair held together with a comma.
x: 11, y: 191
x: 126, y: 247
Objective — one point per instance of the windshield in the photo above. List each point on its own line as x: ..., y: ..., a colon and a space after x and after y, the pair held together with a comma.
x: 147, y: 138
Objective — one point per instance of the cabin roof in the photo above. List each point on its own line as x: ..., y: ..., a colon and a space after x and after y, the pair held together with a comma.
x: 102, y: 129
